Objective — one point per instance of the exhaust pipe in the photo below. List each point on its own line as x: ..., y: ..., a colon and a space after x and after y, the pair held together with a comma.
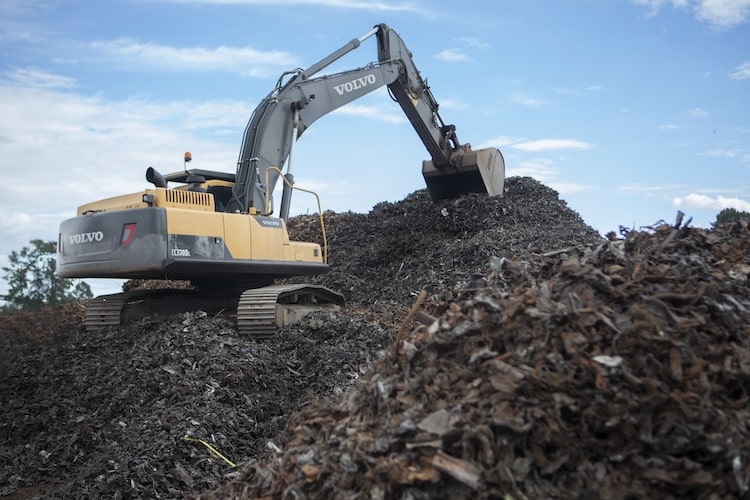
x: 155, y: 178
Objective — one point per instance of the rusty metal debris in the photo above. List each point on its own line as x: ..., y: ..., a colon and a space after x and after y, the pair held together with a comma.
x: 618, y: 371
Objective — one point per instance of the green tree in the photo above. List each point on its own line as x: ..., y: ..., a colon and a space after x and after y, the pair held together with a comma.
x: 731, y: 215
x: 33, y: 283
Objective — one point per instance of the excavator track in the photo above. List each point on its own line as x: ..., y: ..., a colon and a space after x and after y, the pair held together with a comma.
x: 261, y: 311
x: 105, y: 311
x: 123, y: 308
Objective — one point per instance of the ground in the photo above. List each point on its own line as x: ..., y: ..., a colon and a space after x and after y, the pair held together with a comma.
x: 490, y: 347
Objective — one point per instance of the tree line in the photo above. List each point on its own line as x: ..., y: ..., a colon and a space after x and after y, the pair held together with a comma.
x: 33, y: 282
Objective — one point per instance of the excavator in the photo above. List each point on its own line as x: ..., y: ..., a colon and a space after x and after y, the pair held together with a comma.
x: 218, y: 230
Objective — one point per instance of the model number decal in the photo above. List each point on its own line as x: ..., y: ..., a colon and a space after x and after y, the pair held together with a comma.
x: 180, y: 252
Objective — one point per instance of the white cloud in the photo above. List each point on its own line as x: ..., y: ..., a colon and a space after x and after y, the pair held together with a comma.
x: 701, y: 201
x: 578, y: 92
x: 371, y: 112
x: 528, y: 101
x: 452, y: 104
x: 103, y: 141
x: 723, y: 13
x: 655, y: 5
x: 475, y: 42
x: 244, y: 60
x: 33, y: 77
x: 697, y: 113
x: 342, y: 4
x: 670, y: 126
x: 498, y: 142
x: 542, y: 169
x: 566, y: 187
x: 545, y: 171
x: 650, y: 189
x: 741, y: 72
x: 551, y: 145
x: 723, y: 153
x: 718, y: 13
x: 452, y: 56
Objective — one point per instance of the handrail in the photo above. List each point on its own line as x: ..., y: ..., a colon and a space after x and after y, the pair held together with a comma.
x: 317, y: 198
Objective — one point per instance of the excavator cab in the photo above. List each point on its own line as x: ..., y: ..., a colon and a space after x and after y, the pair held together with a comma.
x: 480, y: 171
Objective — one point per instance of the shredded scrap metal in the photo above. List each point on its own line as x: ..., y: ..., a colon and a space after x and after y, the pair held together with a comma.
x: 541, y: 361
x: 616, y: 370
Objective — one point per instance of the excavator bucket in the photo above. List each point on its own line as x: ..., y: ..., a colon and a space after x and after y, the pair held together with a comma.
x: 480, y: 171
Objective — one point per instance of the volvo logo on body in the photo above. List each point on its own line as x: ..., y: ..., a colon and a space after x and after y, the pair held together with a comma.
x: 77, y: 239
x: 356, y: 84
x: 268, y: 222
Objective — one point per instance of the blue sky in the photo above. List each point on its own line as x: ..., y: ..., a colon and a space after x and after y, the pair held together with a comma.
x: 630, y: 109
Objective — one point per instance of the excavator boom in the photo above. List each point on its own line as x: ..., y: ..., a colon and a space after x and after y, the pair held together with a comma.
x: 292, y: 106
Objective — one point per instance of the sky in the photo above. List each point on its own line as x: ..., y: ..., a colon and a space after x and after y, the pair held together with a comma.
x: 632, y: 110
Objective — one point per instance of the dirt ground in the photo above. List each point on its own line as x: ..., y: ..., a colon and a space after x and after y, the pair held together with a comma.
x: 490, y: 347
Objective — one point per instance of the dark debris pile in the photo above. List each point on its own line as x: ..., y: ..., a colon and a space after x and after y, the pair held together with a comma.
x: 108, y: 414
x: 387, y: 256
x: 560, y: 365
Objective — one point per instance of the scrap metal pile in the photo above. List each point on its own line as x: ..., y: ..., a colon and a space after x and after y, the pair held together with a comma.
x: 617, y: 370
x: 540, y: 361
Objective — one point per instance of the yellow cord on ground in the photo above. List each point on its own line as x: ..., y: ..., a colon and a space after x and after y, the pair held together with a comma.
x: 207, y: 445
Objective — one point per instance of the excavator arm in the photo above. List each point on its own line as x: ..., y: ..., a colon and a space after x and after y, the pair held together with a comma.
x: 416, y: 99
x: 293, y: 105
